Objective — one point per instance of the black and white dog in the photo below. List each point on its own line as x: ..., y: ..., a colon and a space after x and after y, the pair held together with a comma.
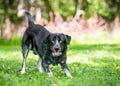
x: 51, y: 47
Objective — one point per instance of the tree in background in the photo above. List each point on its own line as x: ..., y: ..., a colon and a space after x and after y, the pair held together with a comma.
x: 10, y: 11
x: 7, y: 11
x: 114, y: 15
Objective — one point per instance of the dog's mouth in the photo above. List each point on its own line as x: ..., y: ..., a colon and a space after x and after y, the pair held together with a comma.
x: 56, y: 53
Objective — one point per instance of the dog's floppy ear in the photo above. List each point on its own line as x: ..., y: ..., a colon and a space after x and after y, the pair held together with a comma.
x: 68, y: 39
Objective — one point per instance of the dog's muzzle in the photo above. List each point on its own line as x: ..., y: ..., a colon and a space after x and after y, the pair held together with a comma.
x: 56, y: 53
x: 56, y: 50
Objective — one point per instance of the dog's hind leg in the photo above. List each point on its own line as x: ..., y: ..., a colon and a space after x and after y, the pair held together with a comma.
x: 25, y: 50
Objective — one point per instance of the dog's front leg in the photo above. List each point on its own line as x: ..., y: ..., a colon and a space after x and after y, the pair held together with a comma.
x: 65, y: 69
x: 40, y: 65
x: 46, y: 68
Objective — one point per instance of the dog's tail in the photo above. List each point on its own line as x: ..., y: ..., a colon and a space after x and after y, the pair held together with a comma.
x: 30, y: 18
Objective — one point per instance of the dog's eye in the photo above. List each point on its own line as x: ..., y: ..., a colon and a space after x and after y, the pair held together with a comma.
x: 60, y: 41
x: 53, y: 41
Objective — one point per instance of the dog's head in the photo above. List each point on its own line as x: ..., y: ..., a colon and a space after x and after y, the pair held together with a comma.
x: 57, y: 43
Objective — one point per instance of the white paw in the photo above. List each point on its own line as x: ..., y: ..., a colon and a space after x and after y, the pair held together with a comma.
x: 69, y: 75
x: 22, y: 71
x: 40, y: 70
x: 50, y: 74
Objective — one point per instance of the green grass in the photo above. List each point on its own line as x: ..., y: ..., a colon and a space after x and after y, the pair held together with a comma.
x: 91, y: 63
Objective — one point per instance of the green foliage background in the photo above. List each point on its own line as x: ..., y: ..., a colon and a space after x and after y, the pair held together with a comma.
x: 106, y: 8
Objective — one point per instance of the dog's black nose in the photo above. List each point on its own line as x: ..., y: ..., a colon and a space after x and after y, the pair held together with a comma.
x: 56, y: 48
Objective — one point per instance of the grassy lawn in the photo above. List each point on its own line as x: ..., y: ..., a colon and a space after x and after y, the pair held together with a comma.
x: 92, y: 62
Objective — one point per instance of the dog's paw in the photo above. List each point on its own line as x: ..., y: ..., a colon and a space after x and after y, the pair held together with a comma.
x: 22, y: 72
x: 50, y: 74
x: 69, y: 76
x: 40, y: 71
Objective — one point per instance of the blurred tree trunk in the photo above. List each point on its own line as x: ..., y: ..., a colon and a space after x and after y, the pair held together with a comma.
x: 114, y: 23
x: 76, y: 5
x: 47, y: 4
x: 77, y: 10
x: 26, y: 4
x: 7, y: 30
x: 20, y: 8
x: 38, y: 11
x: 84, y: 4
x: 49, y: 9
x: 117, y: 21
x: 26, y: 7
